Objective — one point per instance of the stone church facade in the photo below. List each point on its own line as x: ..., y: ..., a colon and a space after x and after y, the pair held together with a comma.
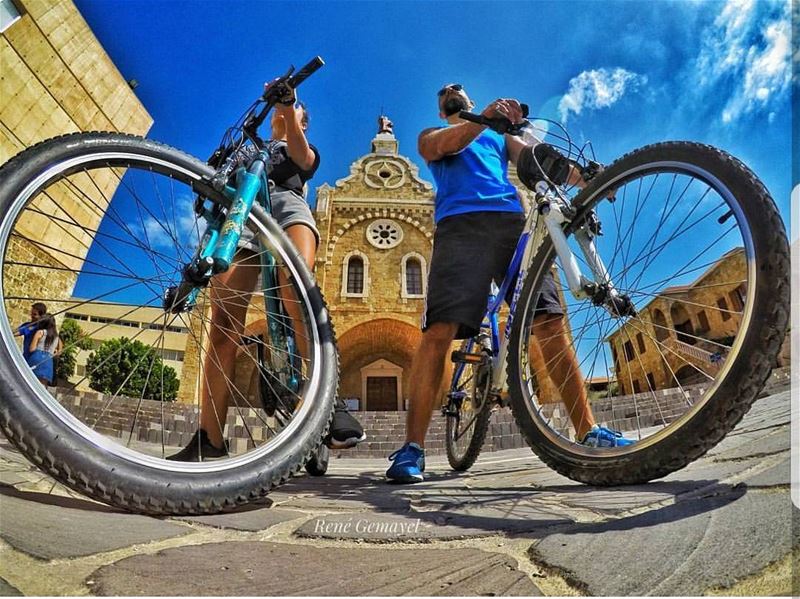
x: 376, y: 229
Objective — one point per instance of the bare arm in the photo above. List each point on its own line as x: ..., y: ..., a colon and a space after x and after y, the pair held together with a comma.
x: 35, y: 341
x: 514, y: 146
x: 296, y: 143
x: 435, y: 144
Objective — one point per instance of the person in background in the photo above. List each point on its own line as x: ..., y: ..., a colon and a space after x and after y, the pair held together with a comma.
x: 293, y: 162
x: 28, y: 329
x: 44, y: 346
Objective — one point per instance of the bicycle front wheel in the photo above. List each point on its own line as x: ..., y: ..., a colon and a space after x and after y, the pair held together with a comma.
x: 98, y: 227
x: 695, y: 244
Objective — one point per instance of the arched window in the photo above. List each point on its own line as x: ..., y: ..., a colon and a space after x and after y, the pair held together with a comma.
x: 413, y: 276
x: 355, y: 275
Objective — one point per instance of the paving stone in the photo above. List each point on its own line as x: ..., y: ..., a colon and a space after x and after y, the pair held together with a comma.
x: 476, y: 519
x: 248, y: 519
x: 700, y: 544
x: 50, y: 527
x: 620, y: 499
x: 775, y: 442
x: 779, y: 474
x: 341, y: 493
x: 11, y: 478
x: 7, y: 590
x: 707, y: 472
x: 253, y: 568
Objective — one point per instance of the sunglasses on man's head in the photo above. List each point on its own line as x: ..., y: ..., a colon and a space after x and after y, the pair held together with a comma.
x: 456, y: 87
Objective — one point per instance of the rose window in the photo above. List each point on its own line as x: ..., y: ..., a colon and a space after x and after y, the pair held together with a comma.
x: 384, y: 234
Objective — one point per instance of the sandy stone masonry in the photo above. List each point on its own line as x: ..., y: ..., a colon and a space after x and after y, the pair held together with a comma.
x: 55, y: 78
x: 668, y: 341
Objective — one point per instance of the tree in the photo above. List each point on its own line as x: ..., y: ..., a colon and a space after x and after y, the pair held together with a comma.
x: 73, y: 339
x: 134, y: 366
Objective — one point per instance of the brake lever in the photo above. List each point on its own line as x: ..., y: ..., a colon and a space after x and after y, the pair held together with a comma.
x: 271, y: 93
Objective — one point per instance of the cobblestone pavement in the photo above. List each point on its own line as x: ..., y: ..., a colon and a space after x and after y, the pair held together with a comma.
x: 510, y: 526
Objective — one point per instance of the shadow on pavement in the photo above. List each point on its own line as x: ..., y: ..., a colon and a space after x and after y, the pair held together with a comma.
x: 512, y: 509
x: 59, y: 500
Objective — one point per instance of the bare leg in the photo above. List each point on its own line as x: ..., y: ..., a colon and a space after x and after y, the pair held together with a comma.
x: 562, y: 364
x: 306, y: 243
x: 230, y: 295
x: 427, y: 369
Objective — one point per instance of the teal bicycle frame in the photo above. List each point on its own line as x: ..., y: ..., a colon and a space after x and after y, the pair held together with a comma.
x: 218, y: 247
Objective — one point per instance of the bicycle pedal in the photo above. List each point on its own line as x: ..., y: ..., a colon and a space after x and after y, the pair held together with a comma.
x: 462, y: 357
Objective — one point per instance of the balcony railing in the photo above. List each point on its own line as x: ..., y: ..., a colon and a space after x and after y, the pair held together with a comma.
x: 695, y: 352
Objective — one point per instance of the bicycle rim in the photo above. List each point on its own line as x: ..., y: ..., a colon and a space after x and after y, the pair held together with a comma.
x: 141, y: 371
x: 675, y: 241
x: 466, y: 428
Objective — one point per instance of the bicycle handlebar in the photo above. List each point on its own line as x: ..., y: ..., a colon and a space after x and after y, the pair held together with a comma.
x: 309, y: 69
x: 278, y: 89
x: 499, y: 124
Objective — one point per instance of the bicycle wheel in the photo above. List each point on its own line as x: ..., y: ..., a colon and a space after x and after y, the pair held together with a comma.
x: 468, y: 412
x: 696, y: 243
x: 98, y: 226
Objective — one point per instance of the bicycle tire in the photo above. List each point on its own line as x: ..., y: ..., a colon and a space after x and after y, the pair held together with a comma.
x: 317, y: 464
x: 731, y: 397
x: 463, y: 462
x: 58, y: 446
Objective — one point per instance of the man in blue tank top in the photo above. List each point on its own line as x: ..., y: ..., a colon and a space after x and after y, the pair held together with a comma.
x: 479, y: 219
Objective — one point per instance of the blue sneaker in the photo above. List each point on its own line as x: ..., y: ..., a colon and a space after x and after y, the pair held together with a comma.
x: 408, y: 464
x: 600, y: 436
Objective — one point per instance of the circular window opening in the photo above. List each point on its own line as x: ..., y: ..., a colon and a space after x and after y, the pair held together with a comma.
x: 384, y: 234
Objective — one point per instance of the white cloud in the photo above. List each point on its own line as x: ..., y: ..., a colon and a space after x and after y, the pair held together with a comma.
x: 597, y: 88
x: 749, y: 43
x: 182, y: 226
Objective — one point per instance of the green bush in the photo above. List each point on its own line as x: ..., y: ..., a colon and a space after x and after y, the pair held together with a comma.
x: 73, y: 338
x: 124, y: 367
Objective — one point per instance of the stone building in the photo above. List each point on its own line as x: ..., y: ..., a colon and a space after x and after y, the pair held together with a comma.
x: 55, y: 78
x: 376, y: 226
x: 101, y: 321
x: 683, y: 331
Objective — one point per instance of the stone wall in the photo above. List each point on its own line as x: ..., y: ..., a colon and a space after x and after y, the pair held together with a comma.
x: 385, y: 430
x: 660, y: 355
x: 55, y: 79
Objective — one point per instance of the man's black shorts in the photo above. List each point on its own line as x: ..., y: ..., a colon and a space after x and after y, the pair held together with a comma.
x: 469, y: 250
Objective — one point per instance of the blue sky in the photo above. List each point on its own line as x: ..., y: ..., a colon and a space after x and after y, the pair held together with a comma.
x: 622, y: 74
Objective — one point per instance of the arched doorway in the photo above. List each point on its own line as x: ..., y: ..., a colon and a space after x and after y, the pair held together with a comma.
x: 689, y: 375
x: 375, y: 358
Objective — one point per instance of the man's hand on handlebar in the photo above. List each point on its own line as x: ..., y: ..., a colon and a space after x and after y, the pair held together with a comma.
x: 507, y: 108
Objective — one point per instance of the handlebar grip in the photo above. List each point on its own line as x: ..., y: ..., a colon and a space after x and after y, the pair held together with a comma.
x: 501, y: 125
x: 472, y: 117
x: 313, y: 65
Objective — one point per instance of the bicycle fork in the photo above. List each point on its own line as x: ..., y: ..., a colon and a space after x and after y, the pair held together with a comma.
x: 548, y: 218
x: 219, y: 241
x: 600, y: 288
